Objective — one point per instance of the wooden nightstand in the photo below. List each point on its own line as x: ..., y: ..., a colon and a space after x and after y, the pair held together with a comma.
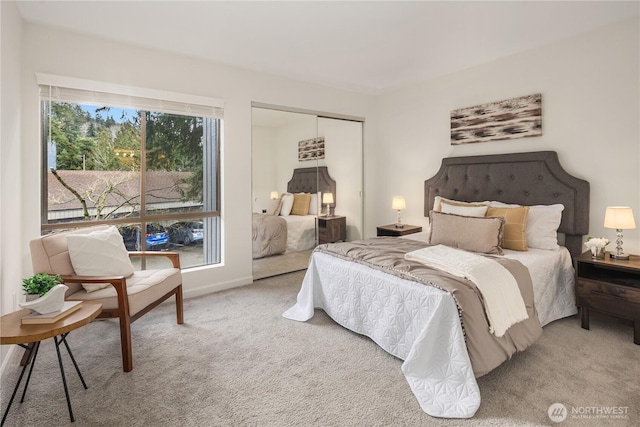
x: 332, y: 229
x: 609, y: 286
x: 392, y: 230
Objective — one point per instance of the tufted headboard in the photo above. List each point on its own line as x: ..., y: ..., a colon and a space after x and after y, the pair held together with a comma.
x: 535, y: 178
x: 312, y: 180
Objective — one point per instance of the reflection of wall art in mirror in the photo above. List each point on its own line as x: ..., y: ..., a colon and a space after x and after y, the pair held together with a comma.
x: 311, y: 149
x: 509, y: 119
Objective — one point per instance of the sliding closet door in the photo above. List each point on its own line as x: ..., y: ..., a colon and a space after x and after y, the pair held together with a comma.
x: 276, y: 135
x: 343, y: 158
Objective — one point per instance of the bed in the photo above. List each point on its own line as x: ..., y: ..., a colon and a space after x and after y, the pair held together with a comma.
x: 275, y: 233
x: 411, y: 311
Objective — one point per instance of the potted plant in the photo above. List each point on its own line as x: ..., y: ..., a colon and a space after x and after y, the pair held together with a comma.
x: 39, y: 284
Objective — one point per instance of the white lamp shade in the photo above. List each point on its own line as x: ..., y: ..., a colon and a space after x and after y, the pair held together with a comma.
x: 619, y: 217
x: 274, y: 195
x: 327, y: 198
x: 398, y: 203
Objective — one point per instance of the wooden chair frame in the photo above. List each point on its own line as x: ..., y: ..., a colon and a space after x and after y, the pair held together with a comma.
x: 122, y: 312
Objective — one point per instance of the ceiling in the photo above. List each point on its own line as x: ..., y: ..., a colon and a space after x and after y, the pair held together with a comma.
x: 365, y: 46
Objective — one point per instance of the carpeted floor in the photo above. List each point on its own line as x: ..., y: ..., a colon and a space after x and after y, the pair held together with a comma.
x: 237, y: 362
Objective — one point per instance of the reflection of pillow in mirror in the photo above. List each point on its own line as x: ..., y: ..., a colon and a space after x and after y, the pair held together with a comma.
x: 475, y: 234
x: 274, y: 206
x: 466, y: 210
x: 301, y: 203
x: 287, y: 204
x: 314, y: 204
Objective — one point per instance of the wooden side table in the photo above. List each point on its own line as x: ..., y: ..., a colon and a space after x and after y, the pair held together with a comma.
x: 609, y: 286
x: 392, y: 230
x: 332, y: 229
x: 12, y: 331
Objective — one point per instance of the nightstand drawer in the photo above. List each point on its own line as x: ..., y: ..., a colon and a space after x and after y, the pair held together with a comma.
x: 619, y: 300
x: 586, y: 286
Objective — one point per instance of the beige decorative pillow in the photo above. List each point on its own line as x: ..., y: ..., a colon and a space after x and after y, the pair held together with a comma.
x: 301, y: 203
x: 475, y: 234
x: 515, y: 226
x: 463, y: 209
x: 438, y: 201
x: 274, y: 207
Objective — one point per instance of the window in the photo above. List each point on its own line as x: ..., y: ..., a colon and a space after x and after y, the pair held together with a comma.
x: 148, y: 165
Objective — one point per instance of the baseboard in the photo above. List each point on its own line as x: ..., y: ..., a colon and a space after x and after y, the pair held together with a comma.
x: 216, y: 287
x: 7, y: 357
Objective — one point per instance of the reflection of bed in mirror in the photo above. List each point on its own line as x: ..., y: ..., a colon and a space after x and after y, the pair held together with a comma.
x: 291, y: 225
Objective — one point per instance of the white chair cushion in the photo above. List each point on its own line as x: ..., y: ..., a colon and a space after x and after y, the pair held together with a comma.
x: 143, y: 287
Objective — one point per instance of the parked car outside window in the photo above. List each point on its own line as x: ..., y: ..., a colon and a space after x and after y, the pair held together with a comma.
x: 186, y: 232
x: 156, y: 237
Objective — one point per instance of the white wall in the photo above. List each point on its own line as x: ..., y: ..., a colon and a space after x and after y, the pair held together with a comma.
x: 590, y: 94
x: 10, y: 159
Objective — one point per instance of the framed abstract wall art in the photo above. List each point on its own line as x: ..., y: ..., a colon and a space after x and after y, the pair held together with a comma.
x: 509, y: 119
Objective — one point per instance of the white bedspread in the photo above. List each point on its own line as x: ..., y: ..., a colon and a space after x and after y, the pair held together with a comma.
x: 419, y: 324
x: 553, y: 281
x: 411, y: 321
x: 503, y: 302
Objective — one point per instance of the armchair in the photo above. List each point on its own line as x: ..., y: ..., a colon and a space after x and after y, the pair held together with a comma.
x: 128, y: 298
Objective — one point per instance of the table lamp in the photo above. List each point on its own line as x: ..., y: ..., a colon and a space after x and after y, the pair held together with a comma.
x: 327, y: 198
x: 398, y: 203
x: 620, y: 218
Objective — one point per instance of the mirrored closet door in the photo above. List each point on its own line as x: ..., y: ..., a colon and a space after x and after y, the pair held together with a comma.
x: 303, y: 166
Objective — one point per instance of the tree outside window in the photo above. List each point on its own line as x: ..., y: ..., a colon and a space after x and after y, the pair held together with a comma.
x: 142, y: 171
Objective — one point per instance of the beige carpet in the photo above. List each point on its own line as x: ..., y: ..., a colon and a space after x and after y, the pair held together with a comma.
x: 237, y: 362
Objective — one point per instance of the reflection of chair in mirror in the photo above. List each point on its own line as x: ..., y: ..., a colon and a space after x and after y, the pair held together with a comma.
x: 126, y: 298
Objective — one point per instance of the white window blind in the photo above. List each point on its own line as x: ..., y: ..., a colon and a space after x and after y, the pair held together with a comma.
x: 64, y: 89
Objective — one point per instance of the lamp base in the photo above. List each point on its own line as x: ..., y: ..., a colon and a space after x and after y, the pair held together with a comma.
x: 399, y: 225
x: 621, y: 256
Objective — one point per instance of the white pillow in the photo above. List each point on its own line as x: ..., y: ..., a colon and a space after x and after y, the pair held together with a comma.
x: 287, y: 204
x: 462, y: 210
x: 542, y: 224
x: 99, y: 253
x: 314, y: 204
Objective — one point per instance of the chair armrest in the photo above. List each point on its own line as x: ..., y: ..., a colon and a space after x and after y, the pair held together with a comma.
x: 114, y: 280
x: 118, y: 282
x: 174, y: 257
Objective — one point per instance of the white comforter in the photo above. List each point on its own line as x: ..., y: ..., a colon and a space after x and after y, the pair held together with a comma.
x: 416, y: 323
